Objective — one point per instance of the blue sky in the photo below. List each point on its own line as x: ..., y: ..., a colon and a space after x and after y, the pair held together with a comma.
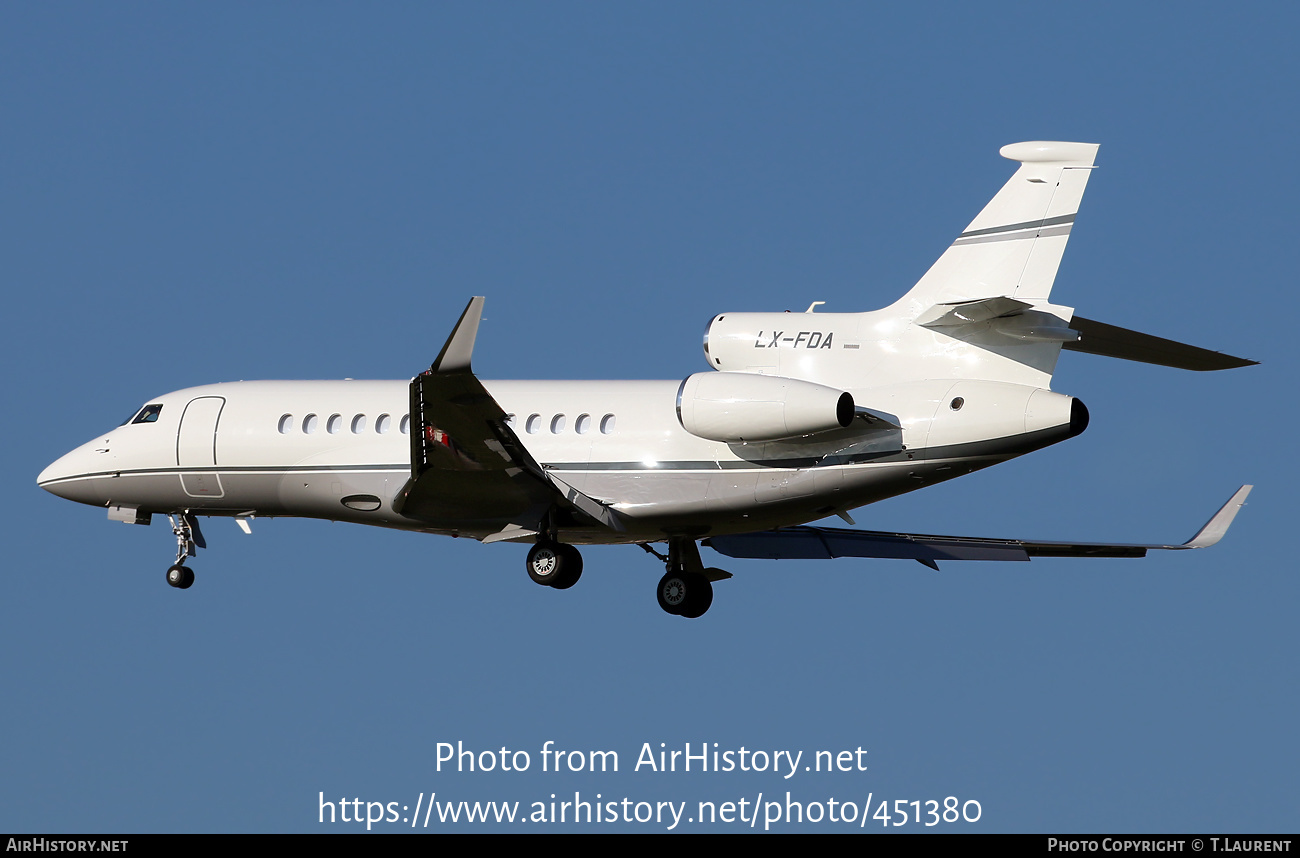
x: 195, y: 194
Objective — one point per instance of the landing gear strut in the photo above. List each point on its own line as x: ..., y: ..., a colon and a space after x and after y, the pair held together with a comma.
x: 188, y: 539
x: 685, y: 590
x: 554, y: 564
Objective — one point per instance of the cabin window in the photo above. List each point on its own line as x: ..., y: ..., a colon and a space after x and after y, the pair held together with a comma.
x: 309, y: 423
x: 405, y: 426
x: 534, y: 424
x: 583, y: 424
x: 557, y: 424
x: 286, y: 424
x: 607, y: 424
x: 334, y: 424
x: 358, y: 424
x: 383, y: 423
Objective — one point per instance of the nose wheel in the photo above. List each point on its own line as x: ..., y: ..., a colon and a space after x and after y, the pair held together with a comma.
x: 180, y: 577
x: 188, y: 540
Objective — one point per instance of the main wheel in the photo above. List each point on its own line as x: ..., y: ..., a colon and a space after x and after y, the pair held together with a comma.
x: 685, y: 594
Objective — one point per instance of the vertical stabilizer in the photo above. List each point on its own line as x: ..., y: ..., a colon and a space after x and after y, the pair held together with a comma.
x: 1013, y: 247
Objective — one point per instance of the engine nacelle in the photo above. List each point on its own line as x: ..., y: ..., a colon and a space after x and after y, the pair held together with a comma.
x: 780, y: 343
x: 738, y: 407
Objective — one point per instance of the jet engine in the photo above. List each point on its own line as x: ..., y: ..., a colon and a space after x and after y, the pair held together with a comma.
x: 740, y: 407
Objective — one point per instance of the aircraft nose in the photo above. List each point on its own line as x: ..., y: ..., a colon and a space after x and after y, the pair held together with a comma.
x: 53, y: 471
x: 69, y: 476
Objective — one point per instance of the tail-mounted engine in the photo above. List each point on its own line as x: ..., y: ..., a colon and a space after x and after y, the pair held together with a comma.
x: 739, y: 407
x: 780, y: 343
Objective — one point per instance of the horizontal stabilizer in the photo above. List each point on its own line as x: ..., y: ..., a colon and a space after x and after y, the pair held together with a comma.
x: 1098, y: 338
x: 824, y: 543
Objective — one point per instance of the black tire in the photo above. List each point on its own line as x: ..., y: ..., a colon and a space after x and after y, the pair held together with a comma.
x: 685, y: 594
x: 570, y: 568
x: 176, y: 576
x: 189, y: 578
x: 699, y: 596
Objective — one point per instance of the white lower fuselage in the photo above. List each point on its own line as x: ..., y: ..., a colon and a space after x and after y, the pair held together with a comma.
x: 340, y: 450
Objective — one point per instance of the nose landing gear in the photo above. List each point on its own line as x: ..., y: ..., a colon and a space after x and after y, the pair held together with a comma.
x: 188, y: 540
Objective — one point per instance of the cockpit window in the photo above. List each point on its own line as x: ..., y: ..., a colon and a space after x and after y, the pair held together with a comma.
x: 148, y: 414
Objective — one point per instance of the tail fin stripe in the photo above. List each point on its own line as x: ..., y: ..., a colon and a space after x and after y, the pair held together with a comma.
x: 1013, y: 236
x: 1030, y: 224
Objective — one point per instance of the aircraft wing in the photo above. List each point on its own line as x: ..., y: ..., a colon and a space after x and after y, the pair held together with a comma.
x: 467, y: 464
x: 824, y: 543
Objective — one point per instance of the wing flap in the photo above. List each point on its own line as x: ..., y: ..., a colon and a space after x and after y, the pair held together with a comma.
x: 825, y: 543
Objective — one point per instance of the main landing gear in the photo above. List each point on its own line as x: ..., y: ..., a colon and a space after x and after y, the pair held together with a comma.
x: 188, y: 539
x: 686, y: 590
x: 554, y: 564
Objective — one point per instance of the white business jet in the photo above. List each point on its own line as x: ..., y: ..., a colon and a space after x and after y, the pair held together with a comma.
x: 799, y: 417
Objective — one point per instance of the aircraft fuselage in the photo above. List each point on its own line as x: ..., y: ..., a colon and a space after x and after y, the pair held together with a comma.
x: 340, y: 450
x: 799, y: 416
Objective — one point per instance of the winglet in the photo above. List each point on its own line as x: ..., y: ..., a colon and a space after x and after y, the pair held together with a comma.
x: 1218, y: 525
x: 455, y: 355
